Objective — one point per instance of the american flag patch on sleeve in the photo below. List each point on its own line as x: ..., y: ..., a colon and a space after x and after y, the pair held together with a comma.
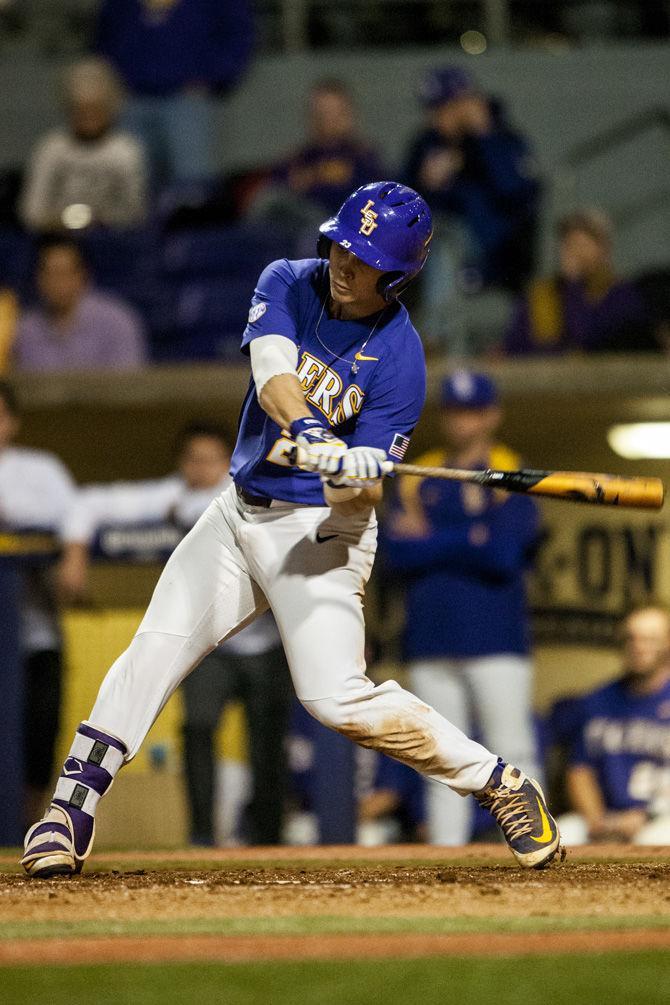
x: 399, y: 445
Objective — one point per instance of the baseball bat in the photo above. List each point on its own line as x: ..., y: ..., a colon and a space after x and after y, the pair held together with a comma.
x: 574, y: 486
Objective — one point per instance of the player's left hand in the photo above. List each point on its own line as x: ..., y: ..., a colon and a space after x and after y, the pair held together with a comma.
x: 360, y: 467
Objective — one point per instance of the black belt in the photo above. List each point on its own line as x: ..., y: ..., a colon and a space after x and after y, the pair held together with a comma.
x: 251, y: 500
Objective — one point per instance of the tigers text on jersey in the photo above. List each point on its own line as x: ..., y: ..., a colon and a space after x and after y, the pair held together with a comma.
x: 366, y: 379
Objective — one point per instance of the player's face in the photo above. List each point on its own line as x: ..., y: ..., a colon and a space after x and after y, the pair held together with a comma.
x: 353, y: 284
x: 204, y: 462
x: 464, y: 428
x: 9, y: 425
x: 646, y: 642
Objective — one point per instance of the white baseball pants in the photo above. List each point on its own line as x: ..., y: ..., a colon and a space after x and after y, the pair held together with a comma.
x: 488, y: 693
x: 310, y: 566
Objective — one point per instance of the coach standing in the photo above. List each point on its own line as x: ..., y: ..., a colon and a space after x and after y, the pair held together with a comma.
x: 175, y: 56
x: 462, y: 551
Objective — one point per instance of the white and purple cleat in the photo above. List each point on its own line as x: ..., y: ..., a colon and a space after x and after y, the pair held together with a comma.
x: 59, y: 843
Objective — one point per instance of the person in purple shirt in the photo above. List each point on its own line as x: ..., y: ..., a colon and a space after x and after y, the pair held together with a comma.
x: 334, y: 158
x: 174, y: 56
x: 585, y: 306
x: 316, y: 178
x: 75, y: 327
x: 337, y: 385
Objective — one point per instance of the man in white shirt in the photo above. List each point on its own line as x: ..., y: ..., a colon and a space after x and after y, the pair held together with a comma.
x: 250, y: 667
x: 89, y: 172
x: 36, y: 492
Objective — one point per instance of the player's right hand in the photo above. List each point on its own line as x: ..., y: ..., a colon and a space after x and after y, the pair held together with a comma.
x: 317, y: 449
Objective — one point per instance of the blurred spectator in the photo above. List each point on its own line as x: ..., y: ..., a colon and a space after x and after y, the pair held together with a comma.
x: 619, y: 779
x: 75, y: 327
x: 174, y: 56
x: 334, y: 160
x: 476, y: 171
x: 36, y: 493
x: 89, y: 172
x: 393, y: 809
x: 9, y: 312
x: 461, y: 552
x: 315, y: 180
x: 585, y: 306
x: 250, y: 667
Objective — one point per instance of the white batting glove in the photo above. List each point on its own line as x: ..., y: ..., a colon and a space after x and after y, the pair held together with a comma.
x: 360, y: 467
x: 317, y: 449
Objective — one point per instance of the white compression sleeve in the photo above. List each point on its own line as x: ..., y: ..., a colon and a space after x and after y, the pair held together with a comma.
x: 270, y: 356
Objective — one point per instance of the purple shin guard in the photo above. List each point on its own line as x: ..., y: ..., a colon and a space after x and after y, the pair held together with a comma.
x: 94, y: 759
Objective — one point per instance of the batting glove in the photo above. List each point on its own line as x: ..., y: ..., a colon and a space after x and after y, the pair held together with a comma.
x: 360, y: 467
x: 317, y: 449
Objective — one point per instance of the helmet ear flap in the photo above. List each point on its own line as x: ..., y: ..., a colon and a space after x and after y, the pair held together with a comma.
x: 323, y: 246
x: 386, y: 287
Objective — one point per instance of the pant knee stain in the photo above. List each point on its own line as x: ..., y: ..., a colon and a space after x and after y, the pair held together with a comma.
x: 399, y: 736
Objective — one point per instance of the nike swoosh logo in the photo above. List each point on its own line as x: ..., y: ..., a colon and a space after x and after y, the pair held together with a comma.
x: 322, y: 538
x: 547, y: 833
x: 75, y: 771
x: 360, y: 357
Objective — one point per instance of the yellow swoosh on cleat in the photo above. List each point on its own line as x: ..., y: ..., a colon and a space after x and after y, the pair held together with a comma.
x: 547, y: 833
x: 359, y: 356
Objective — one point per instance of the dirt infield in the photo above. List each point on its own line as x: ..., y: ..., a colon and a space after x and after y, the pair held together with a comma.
x: 327, y: 903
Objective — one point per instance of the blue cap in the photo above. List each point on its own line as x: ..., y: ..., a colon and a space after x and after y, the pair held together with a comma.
x: 466, y: 389
x: 442, y: 85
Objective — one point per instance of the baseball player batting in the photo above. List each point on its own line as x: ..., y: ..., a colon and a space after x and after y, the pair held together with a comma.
x: 338, y: 371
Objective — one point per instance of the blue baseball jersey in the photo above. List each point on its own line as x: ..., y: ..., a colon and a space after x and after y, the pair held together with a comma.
x: 625, y: 739
x: 464, y: 580
x: 365, y: 379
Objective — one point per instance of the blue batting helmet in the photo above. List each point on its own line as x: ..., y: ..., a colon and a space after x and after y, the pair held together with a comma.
x: 387, y: 226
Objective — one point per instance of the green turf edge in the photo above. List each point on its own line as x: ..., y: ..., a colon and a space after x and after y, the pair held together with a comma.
x: 328, y: 924
x: 586, y: 979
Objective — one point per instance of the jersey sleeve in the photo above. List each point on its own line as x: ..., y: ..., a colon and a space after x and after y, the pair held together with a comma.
x: 393, y: 406
x: 274, y: 305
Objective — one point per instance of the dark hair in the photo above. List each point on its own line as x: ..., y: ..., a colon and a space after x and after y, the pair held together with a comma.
x: 51, y: 241
x: 8, y: 395
x: 332, y: 85
x: 195, y: 429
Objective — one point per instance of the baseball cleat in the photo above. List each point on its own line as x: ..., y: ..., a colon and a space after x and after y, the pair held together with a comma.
x: 517, y: 804
x: 50, y: 846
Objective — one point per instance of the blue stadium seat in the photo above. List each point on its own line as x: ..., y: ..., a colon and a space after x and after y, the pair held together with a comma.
x: 240, y: 250
x: 17, y: 259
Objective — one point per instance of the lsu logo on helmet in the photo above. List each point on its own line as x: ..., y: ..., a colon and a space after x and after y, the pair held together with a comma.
x: 368, y: 219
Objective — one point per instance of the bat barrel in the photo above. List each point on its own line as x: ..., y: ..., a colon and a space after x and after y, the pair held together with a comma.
x: 603, y: 490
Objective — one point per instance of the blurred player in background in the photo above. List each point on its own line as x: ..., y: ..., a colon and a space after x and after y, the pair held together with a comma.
x: 89, y: 172
x: 618, y: 781
x: 462, y: 552
x: 36, y: 494
x: 250, y: 667
x: 337, y: 385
